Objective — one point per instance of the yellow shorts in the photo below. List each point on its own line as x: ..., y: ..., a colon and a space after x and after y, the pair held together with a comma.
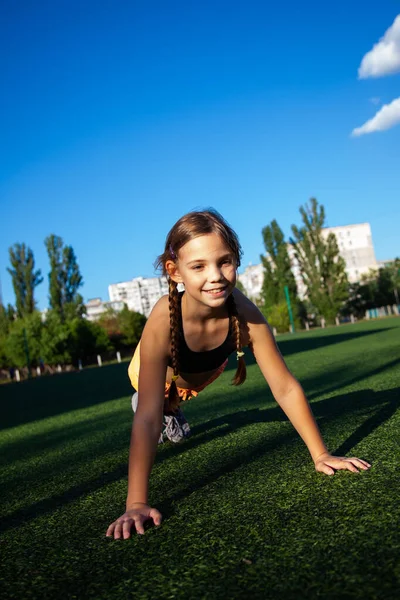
x: 183, y: 393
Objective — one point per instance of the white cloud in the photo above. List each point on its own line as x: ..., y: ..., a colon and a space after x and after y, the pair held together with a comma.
x: 384, y: 58
x: 388, y: 116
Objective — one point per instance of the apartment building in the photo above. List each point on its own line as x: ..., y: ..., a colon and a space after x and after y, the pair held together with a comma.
x: 96, y: 307
x: 356, y: 247
x: 139, y: 294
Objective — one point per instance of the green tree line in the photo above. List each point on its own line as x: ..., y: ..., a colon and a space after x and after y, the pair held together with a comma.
x: 329, y: 294
x: 62, y: 335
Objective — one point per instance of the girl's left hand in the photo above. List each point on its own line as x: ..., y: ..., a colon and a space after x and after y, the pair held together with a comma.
x: 328, y: 464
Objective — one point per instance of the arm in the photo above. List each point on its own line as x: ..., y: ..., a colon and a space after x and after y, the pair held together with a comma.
x: 148, y: 418
x: 289, y: 394
x: 147, y: 423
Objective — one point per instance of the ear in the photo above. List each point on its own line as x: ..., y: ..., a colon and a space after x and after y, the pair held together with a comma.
x: 173, y: 271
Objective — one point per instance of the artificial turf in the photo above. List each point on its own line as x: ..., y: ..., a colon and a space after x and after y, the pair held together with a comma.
x: 245, y: 514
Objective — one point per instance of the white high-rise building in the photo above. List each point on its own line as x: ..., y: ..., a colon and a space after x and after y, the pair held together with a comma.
x: 139, y: 294
x: 355, y: 246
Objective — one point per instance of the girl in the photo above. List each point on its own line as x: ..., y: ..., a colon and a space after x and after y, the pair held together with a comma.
x: 185, y: 346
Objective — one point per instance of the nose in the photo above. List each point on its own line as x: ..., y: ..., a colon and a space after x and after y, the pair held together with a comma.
x: 215, y: 274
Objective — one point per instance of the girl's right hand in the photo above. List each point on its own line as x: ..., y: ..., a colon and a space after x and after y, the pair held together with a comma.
x: 134, y: 517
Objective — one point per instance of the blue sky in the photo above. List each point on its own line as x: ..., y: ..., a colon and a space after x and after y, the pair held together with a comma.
x: 119, y: 117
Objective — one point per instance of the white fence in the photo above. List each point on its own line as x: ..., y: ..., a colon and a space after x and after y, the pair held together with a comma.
x: 382, y: 311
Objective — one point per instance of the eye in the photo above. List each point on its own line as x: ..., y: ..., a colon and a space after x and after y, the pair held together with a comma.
x: 197, y: 267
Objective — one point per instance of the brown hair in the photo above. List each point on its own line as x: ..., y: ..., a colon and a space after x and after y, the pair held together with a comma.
x: 190, y: 226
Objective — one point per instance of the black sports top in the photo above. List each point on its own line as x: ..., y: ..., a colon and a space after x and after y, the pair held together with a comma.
x: 199, y: 362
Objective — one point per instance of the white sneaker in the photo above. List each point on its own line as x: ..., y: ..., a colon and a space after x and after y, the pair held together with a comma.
x: 175, y: 427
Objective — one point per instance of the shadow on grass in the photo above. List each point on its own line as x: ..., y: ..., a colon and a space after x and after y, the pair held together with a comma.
x: 315, y: 386
x: 301, y: 343
x: 304, y: 344
x: 114, y: 430
x: 390, y: 400
x: 341, y: 379
x: 382, y: 405
x: 48, y: 396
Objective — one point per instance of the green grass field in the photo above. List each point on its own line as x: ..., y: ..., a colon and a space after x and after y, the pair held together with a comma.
x: 245, y: 514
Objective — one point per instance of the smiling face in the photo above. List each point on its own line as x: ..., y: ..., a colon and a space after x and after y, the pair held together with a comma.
x: 207, y: 267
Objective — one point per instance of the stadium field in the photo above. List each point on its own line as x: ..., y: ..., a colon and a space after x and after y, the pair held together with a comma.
x: 245, y: 514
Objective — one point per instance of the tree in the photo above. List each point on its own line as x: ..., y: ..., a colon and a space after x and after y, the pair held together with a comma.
x: 385, y: 288
x: 25, y: 334
x: 64, y: 279
x: 359, y: 300
x: 11, y: 314
x: 4, y: 327
x: 56, y: 340
x: 4, y: 321
x: 54, y: 246
x: 131, y: 326
x: 24, y: 278
x: 394, y: 269
x: 4, y: 360
x: 277, y: 267
x: 87, y: 340
x: 277, y: 316
x: 70, y: 341
x: 110, y: 322
x: 380, y: 287
x: 321, y: 266
x: 72, y: 281
x: 124, y: 328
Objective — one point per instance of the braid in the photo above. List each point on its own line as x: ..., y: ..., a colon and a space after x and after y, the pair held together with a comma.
x: 240, y: 375
x: 174, y: 318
